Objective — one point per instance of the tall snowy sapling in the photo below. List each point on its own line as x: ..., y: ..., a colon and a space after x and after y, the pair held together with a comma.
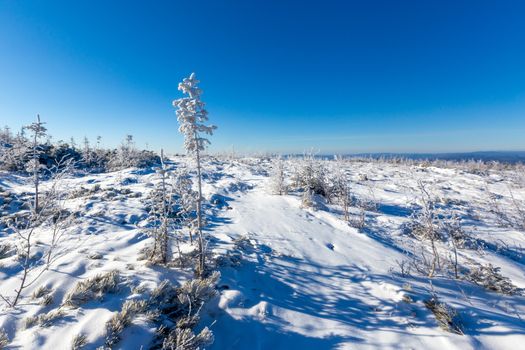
x: 191, y: 116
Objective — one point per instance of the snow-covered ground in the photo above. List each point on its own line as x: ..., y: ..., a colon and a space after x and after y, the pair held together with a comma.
x: 291, y: 277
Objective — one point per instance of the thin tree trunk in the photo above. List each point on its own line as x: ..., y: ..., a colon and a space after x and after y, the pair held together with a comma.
x: 35, y: 169
x: 199, y: 216
x: 26, y: 269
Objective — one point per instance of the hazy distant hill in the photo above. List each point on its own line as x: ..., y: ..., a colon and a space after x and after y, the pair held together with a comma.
x: 500, y: 156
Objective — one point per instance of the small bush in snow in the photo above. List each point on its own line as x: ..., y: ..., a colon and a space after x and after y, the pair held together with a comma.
x: 341, y: 189
x: 425, y: 226
x: 43, y: 293
x: 197, y: 291
x: 164, y: 297
x: 490, y: 277
x: 44, y: 320
x: 46, y: 300
x: 78, y: 341
x: 446, y: 316
x: 310, y: 177
x: 40, y: 292
x: 123, y: 319
x: 95, y: 256
x: 180, y: 306
x: 4, y: 340
x: 127, y: 155
x: 278, y: 184
x: 6, y: 250
x: 92, y: 288
x: 185, y: 339
x: 160, y: 216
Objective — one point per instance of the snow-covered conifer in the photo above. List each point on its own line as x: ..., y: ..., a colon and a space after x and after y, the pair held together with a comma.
x: 192, y: 117
x: 160, y: 215
x: 186, y: 200
x: 34, y: 166
x: 341, y: 188
x: 278, y: 184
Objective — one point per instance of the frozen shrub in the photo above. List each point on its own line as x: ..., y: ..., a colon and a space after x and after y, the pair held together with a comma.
x: 6, y: 250
x: 185, y: 339
x: 446, y: 316
x: 310, y: 177
x: 40, y: 292
x: 123, y: 319
x: 165, y: 297
x: 92, y: 288
x: 197, y: 291
x: 95, y: 256
x: 424, y: 225
x: 490, y: 278
x: 341, y: 189
x: 278, y: 184
x: 78, y: 341
x: 308, y: 199
x: 177, y: 310
x: 4, y: 340
x: 43, y: 320
x: 46, y: 300
x: 160, y: 216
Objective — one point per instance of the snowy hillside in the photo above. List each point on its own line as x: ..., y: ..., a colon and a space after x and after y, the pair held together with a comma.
x: 294, y: 274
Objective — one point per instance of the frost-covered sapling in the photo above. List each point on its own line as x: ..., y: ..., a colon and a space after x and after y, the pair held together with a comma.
x: 452, y: 228
x: 186, y: 200
x: 161, y: 215
x: 341, y: 188
x: 310, y: 178
x: 51, y: 212
x: 424, y: 226
x: 38, y: 131
x: 13, y: 150
x: 278, y: 184
x: 192, y: 117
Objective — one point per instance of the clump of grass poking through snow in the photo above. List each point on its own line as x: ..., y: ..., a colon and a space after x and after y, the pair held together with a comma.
x: 122, y: 319
x: 44, y: 294
x: 92, y: 288
x: 184, y: 338
x: 490, y: 277
x: 177, y: 312
x: 446, y: 316
x: 40, y: 292
x: 6, y: 250
x: 4, y: 340
x: 44, y: 320
x: 78, y: 342
x: 197, y: 291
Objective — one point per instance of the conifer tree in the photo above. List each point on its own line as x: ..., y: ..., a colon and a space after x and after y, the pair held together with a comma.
x: 39, y: 131
x: 191, y: 116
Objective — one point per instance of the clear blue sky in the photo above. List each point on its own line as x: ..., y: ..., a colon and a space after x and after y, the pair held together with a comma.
x: 287, y: 76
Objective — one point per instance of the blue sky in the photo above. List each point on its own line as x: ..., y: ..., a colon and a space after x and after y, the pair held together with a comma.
x: 280, y: 76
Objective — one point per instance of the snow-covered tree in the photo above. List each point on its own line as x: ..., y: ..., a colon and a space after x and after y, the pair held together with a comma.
x: 161, y: 215
x: 341, y: 188
x: 192, y: 117
x: 278, y: 184
x: 34, y: 166
x: 186, y: 200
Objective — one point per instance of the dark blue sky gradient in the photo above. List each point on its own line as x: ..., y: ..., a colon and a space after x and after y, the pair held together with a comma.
x: 335, y: 76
